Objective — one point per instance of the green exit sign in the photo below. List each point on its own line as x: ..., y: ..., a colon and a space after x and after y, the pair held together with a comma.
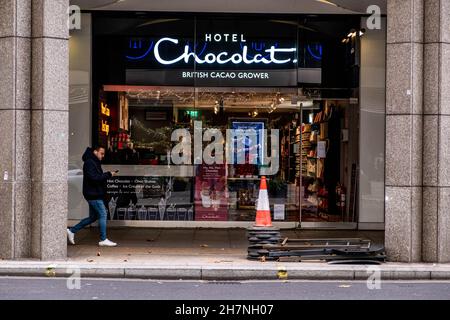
x: 192, y: 113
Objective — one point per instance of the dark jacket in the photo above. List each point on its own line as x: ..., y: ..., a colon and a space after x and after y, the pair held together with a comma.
x: 94, y: 180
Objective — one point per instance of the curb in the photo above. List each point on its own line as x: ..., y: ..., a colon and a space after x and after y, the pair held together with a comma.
x: 207, y: 273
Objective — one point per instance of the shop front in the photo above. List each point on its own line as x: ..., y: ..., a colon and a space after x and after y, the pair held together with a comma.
x: 194, y: 109
x: 369, y: 105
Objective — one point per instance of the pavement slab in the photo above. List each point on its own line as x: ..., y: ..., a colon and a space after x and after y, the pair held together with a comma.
x: 206, y: 254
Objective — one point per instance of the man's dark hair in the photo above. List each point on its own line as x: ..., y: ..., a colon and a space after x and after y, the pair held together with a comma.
x: 97, y: 147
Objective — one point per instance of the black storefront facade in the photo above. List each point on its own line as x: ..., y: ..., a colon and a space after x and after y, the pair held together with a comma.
x: 159, y: 85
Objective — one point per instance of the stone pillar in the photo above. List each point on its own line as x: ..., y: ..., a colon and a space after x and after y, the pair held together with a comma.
x: 404, y: 126
x: 15, y: 183
x: 436, y: 135
x: 49, y: 128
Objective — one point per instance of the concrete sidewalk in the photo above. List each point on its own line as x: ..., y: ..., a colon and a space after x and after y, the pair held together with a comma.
x: 205, y: 254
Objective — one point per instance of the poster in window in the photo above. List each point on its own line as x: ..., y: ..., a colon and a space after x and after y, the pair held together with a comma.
x: 211, y: 202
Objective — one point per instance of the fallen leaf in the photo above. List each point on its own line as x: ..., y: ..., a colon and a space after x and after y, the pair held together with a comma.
x: 150, y: 240
x: 90, y: 260
x: 282, y: 273
x: 98, y: 254
x: 149, y: 252
x: 125, y: 260
x: 263, y: 259
x: 50, y: 272
x: 204, y: 246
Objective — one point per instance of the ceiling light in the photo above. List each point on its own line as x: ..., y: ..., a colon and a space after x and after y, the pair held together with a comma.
x: 352, y: 33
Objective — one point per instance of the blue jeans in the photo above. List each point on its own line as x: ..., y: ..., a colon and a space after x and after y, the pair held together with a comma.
x: 97, y: 211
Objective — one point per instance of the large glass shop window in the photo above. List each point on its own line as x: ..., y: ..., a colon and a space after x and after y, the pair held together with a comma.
x: 80, y: 111
x: 152, y: 134
x: 137, y: 129
x: 164, y: 86
x: 229, y: 191
x: 136, y: 118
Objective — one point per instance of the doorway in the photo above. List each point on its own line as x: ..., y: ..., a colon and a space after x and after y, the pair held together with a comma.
x: 329, y: 164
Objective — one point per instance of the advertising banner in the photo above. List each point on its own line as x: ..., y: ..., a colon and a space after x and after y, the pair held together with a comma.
x: 211, y: 201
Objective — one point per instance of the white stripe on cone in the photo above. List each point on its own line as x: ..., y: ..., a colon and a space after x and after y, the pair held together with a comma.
x: 263, y: 201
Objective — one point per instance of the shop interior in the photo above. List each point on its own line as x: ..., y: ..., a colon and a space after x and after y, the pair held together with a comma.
x: 318, y: 148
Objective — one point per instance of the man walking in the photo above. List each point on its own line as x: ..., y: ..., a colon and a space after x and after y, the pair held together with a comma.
x: 94, y: 180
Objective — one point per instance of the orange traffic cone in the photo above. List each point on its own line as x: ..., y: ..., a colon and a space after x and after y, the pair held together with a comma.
x: 263, y: 218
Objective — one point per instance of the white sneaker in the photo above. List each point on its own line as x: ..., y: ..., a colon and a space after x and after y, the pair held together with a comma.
x: 71, y: 236
x: 107, y: 243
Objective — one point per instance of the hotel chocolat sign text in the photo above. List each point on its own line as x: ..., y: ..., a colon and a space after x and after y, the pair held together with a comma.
x: 219, y: 59
x: 225, y: 57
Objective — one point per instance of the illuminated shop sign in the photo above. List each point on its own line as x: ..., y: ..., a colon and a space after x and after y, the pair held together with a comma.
x: 241, y: 54
x: 224, y: 57
x: 315, y: 51
x: 105, y: 127
x: 271, y: 57
x: 105, y: 110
